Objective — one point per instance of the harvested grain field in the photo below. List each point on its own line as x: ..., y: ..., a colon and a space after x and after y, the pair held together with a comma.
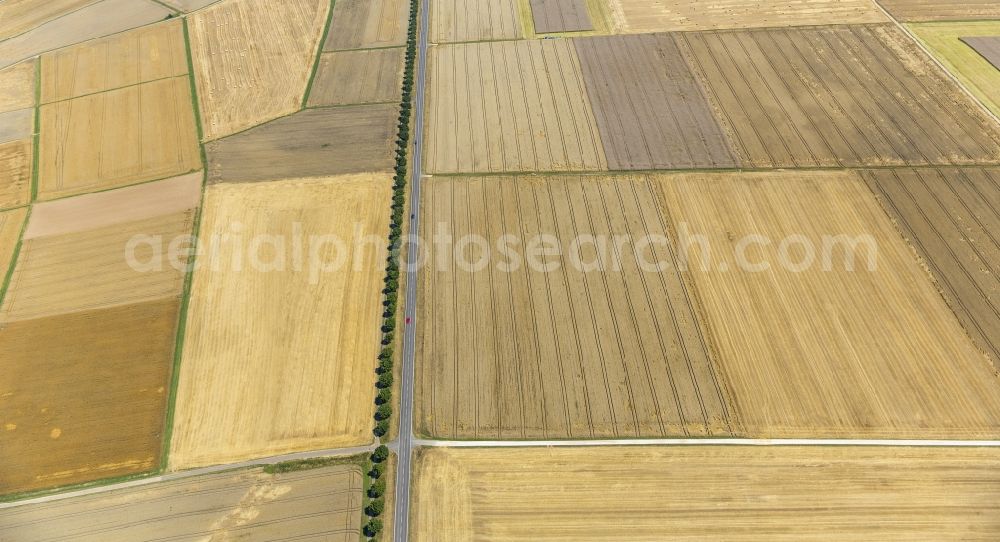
x: 942, y: 10
x: 95, y: 20
x: 117, y: 364
x: 313, y: 143
x: 15, y: 174
x: 739, y: 493
x: 509, y: 106
x: 358, y: 77
x: 20, y: 16
x: 253, y: 59
x: 841, y: 341
x: 130, y: 58
x: 360, y: 24
x: 17, y: 86
x: 651, y: 111
x: 11, y: 224
x: 320, y: 504
x: 475, y: 20
x: 17, y: 124
x: 945, y: 41
x: 951, y: 216
x: 552, y: 350
x: 189, y: 5
x: 560, y: 16
x: 91, y: 269
x: 117, y: 138
x: 638, y: 16
x: 838, y: 96
x: 257, y: 381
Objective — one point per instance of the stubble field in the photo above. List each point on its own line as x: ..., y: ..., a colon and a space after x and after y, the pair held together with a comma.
x: 828, y: 351
x: 566, y: 353
x: 560, y: 16
x: 358, y: 77
x: 19, y: 16
x: 360, y: 24
x: 474, y: 20
x: 17, y: 86
x: 320, y: 504
x: 942, y: 10
x: 258, y: 380
x: 509, y: 106
x: 743, y: 493
x: 253, y: 59
x: 977, y: 74
x: 635, y: 16
x: 951, y: 217
x: 15, y: 173
x: 11, y: 224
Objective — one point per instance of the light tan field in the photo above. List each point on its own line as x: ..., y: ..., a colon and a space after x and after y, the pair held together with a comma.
x: 279, y: 358
x: 89, y: 269
x: 11, y: 223
x: 94, y: 20
x: 138, y: 56
x: 19, y: 16
x: 361, y: 24
x: 17, y: 86
x: 358, y: 77
x: 252, y: 60
x: 974, y: 71
x: 567, y: 352
x: 15, y: 173
x: 18, y: 124
x: 636, y: 16
x: 316, y: 504
x: 509, y: 106
x: 475, y: 20
x: 117, y: 138
x: 818, y: 350
x: 189, y: 5
x: 737, y: 493
x: 942, y: 10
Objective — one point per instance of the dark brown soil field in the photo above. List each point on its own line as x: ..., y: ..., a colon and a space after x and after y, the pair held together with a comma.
x: 83, y: 394
x: 650, y: 109
x: 952, y: 217
x: 315, y: 142
x: 359, y: 24
x: 942, y: 10
x: 564, y: 353
x: 838, y: 96
x: 560, y: 16
x: 358, y: 77
x: 15, y: 173
x: 988, y: 47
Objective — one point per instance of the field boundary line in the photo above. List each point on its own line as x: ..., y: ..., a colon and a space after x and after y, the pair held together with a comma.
x: 36, y: 136
x: 937, y: 62
x: 319, y: 55
x: 929, y: 443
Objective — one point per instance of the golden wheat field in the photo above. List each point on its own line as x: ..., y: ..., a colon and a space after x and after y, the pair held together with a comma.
x: 15, y: 173
x: 138, y: 56
x: 279, y: 354
x: 116, y: 138
x: 17, y: 86
x: 11, y: 223
x: 252, y: 60
x: 742, y: 493
x: 809, y: 347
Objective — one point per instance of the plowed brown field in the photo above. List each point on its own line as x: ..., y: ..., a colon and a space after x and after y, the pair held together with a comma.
x: 138, y: 56
x: 838, y: 96
x: 116, y: 138
x: 277, y: 360
x: 252, y: 60
x: 810, y: 347
x: 739, y: 493
x: 509, y: 106
x: 565, y: 353
x: 952, y: 216
x: 83, y: 394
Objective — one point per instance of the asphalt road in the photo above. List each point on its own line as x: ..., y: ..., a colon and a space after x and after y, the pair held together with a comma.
x: 401, y: 516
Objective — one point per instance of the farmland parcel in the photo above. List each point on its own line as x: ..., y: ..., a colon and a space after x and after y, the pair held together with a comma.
x: 945, y: 40
x: 633, y: 16
x: 279, y: 359
x: 741, y: 493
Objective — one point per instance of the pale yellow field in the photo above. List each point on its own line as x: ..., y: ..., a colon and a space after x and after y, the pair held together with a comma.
x: 17, y: 86
x: 275, y: 360
x: 252, y: 60
x: 15, y: 173
x: 116, y: 138
x: 818, y: 350
x: 11, y: 223
x: 18, y: 16
x: 974, y: 71
x: 635, y: 16
x: 733, y: 493
x: 137, y: 56
x: 474, y: 20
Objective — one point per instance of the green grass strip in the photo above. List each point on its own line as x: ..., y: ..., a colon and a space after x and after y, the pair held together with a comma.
x: 35, y: 137
x: 319, y: 54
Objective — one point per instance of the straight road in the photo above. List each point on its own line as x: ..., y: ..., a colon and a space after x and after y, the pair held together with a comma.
x: 401, y: 523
